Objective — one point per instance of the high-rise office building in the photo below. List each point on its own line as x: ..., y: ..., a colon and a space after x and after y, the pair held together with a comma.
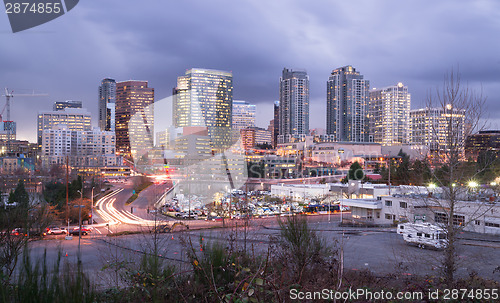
x: 107, y: 99
x: 347, y: 105
x: 390, y: 115
x: 204, y: 97
x: 77, y: 119
x: 243, y: 115
x: 134, y: 118
x: 437, y: 128
x: 60, y: 105
x: 293, y: 104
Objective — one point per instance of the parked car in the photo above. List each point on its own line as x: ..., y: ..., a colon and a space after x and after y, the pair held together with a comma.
x: 191, y: 215
x: 55, y: 231
x: 76, y: 231
x: 242, y: 216
x: 214, y: 218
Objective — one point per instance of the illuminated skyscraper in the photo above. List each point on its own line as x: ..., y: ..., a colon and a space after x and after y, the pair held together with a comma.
x: 243, y: 115
x: 347, y: 105
x: 134, y: 118
x: 204, y: 97
x: 294, y: 104
x: 107, y: 98
x: 390, y: 115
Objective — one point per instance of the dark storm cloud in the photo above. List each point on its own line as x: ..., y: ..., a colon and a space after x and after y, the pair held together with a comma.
x: 415, y: 42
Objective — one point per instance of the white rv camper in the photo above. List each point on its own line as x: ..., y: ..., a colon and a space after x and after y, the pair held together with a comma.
x: 423, y: 235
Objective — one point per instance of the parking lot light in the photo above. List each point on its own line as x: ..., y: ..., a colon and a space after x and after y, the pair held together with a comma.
x: 473, y: 184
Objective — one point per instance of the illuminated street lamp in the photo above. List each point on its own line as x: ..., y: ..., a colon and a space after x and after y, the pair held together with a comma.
x: 432, y: 185
x: 80, y: 226
x: 473, y: 184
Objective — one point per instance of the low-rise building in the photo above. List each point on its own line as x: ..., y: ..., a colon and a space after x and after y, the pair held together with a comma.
x: 278, y: 167
x: 412, y: 204
x: 305, y: 193
x: 81, y: 148
x: 250, y: 137
x: 488, y: 140
x: 16, y: 164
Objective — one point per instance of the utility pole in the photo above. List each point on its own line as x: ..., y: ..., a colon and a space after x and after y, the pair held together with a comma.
x: 389, y: 174
x: 67, y: 199
x: 92, y: 207
x: 189, y: 199
x: 80, y: 226
x: 246, y: 214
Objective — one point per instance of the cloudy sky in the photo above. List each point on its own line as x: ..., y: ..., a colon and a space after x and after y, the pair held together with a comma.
x: 415, y: 42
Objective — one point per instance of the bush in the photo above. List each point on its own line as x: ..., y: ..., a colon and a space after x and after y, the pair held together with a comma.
x: 38, y: 283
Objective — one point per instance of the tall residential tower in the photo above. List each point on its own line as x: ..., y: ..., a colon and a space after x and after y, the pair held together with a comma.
x: 390, y: 115
x: 347, y: 105
x: 294, y: 104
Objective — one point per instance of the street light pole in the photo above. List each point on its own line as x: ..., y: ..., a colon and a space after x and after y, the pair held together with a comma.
x: 92, y: 207
x: 340, y: 205
x: 80, y: 227
x: 329, y: 209
x: 189, y: 199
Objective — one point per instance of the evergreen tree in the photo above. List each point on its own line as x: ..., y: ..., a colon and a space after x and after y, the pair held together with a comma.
x: 355, y: 172
x: 402, y: 175
x: 20, y: 195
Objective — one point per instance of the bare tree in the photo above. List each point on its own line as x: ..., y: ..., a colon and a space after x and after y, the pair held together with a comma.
x: 456, y: 112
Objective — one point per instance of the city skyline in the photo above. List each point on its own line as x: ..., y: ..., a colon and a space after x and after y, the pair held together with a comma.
x: 93, y: 42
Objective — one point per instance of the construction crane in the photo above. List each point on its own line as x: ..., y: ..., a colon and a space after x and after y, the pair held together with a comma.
x: 8, y: 95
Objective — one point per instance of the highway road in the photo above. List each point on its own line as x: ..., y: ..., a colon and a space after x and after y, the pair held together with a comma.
x: 113, y: 215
